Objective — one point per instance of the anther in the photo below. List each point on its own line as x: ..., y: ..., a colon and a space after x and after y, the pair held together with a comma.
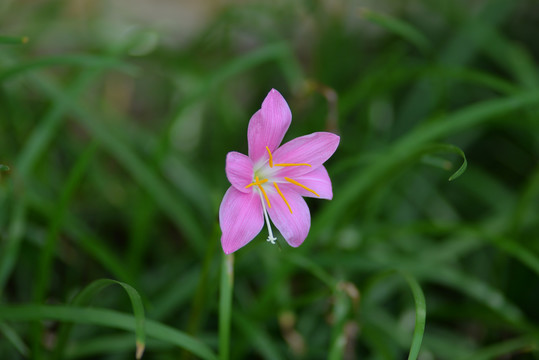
x: 283, y: 164
x: 301, y: 185
x: 282, y: 195
x: 270, y: 157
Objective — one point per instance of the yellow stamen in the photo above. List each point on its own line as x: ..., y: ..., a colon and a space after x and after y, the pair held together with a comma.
x: 271, y: 161
x: 257, y: 183
x: 265, y: 195
x: 293, y: 165
x: 270, y: 157
x: 301, y: 185
x: 280, y: 193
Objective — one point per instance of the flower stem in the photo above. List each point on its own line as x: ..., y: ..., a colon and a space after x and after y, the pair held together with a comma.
x: 225, y: 305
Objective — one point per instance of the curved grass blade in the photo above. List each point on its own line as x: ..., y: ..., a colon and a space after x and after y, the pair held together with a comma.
x: 85, y: 296
x: 420, y: 316
x: 359, y: 184
x: 108, y: 318
x: 399, y: 28
x: 446, y: 148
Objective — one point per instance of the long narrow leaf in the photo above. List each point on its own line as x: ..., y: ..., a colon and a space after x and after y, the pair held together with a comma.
x: 420, y: 316
x: 89, y: 292
x: 106, y: 318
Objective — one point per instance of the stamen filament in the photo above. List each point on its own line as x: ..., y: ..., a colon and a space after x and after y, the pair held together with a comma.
x: 257, y: 183
x: 282, y: 195
x: 300, y: 185
x: 270, y: 157
x: 263, y: 191
x: 283, y: 164
x: 302, y: 164
x: 270, y: 238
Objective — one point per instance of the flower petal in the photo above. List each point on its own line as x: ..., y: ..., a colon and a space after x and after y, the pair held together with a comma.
x: 268, y: 125
x: 317, y: 180
x: 313, y: 149
x: 239, y: 170
x: 240, y: 218
x: 294, y: 226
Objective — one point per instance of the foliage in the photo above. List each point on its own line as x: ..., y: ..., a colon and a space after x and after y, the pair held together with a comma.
x: 114, y: 133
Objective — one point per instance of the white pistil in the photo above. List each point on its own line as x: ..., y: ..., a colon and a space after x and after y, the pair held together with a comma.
x: 270, y: 238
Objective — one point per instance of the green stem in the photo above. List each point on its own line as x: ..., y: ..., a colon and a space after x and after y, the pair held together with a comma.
x: 225, y: 305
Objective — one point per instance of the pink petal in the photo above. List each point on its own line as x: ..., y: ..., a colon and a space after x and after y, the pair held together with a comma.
x: 239, y: 170
x: 268, y: 125
x: 313, y: 149
x: 317, y: 180
x: 240, y: 218
x: 294, y: 226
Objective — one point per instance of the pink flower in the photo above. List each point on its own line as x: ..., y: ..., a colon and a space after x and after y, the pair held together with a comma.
x: 272, y: 180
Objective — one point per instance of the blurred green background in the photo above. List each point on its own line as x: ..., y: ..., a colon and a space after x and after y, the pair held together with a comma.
x: 115, y: 120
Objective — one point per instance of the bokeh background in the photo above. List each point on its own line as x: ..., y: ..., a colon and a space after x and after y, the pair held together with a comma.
x: 115, y: 120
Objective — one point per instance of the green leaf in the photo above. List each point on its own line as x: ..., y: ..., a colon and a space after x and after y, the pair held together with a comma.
x: 446, y: 148
x: 11, y: 335
x: 108, y: 318
x: 88, y: 293
x: 420, y: 315
x: 399, y: 28
x: 80, y: 60
x: 178, y: 211
x: 359, y: 183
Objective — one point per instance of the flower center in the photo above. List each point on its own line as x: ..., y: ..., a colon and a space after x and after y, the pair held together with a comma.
x: 263, y: 194
x: 259, y: 183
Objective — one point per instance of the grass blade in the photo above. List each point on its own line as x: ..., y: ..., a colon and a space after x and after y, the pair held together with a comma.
x: 446, y: 148
x: 359, y: 184
x: 178, y: 211
x: 80, y: 60
x: 399, y: 28
x: 136, y: 303
x: 420, y: 316
x: 11, y: 335
x: 108, y: 318
x: 85, y: 296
